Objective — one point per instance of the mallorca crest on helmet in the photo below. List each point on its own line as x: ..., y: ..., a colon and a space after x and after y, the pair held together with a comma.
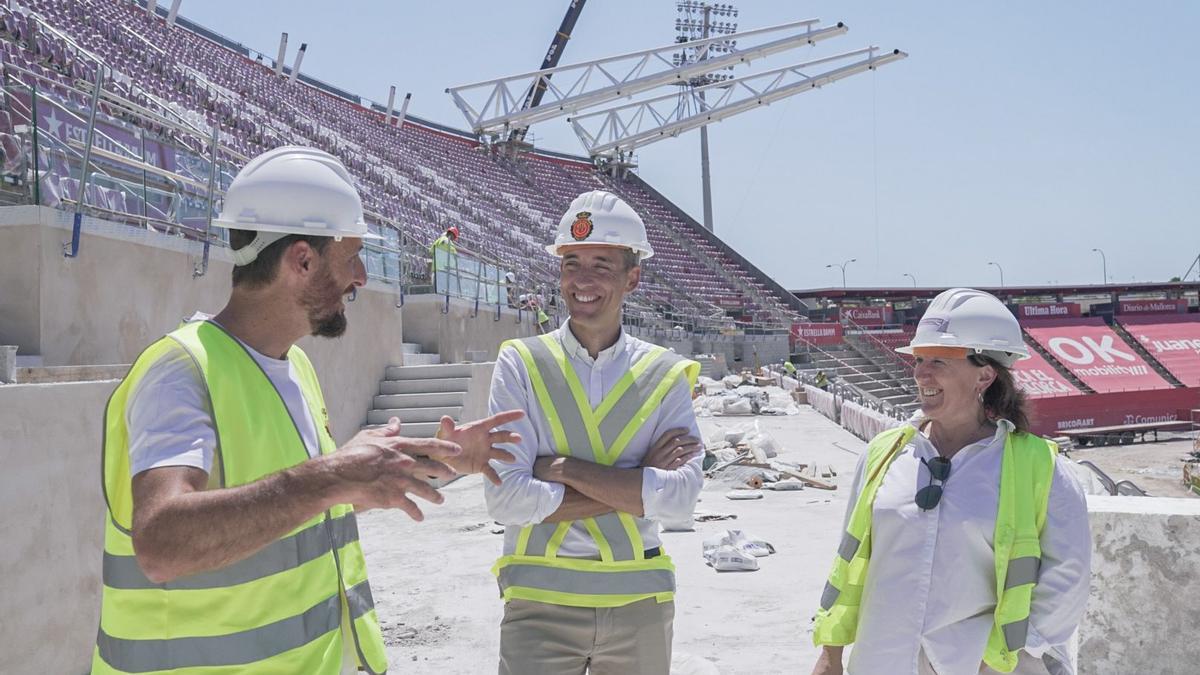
x: 582, y: 227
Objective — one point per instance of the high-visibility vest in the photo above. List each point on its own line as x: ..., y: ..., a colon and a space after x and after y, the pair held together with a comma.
x: 442, y: 243
x: 531, y: 568
x: 1026, y: 471
x: 277, y: 611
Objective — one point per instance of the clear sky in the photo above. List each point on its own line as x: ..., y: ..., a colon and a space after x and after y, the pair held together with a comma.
x: 1024, y: 133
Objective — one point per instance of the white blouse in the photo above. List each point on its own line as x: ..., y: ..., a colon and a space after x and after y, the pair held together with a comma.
x: 931, y: 589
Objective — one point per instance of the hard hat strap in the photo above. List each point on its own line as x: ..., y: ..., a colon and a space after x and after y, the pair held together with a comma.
x: 249, y: 253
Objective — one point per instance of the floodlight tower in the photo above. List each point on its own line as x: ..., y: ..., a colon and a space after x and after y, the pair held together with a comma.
x: 699, y: 20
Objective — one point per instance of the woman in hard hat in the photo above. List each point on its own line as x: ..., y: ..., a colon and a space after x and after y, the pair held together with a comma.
x: 965, y: 547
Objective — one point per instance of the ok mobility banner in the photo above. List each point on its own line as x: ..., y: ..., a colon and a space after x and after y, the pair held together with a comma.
x: 1096, y: 355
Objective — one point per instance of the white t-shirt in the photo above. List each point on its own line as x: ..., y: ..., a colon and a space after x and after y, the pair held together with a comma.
x: 170, y: 423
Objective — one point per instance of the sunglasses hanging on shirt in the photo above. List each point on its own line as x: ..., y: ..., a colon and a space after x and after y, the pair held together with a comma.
x: 939, y: 470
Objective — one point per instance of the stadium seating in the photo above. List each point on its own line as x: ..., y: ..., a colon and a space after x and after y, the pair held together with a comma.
x: 417, y: 179
x: 1173, y: 340
x: 1095, y: 354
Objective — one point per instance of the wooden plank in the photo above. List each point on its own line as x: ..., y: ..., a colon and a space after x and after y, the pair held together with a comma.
x: 811, y: 482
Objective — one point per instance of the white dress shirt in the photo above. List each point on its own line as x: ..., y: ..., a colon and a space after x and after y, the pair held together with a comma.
x: 521, y: 499
x: 931, y: 589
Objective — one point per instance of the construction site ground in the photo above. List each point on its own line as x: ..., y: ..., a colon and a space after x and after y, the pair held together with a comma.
x: 1155, y: 467
x: 440, y: 609
x: 439, y: 606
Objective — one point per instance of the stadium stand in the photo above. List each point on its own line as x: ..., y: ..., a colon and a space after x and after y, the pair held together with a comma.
x: 1174, y: 341
x: 166, y: 88
x: 1039, y: 379
x: 1097, y: 355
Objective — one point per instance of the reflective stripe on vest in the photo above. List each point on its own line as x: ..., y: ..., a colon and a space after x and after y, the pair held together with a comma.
x: 1026, y: 471
x: 279, y: 610
x: 530, y: 568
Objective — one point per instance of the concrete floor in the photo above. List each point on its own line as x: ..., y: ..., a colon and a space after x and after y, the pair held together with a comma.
x: 441, y: 612
x: 1155, y: 467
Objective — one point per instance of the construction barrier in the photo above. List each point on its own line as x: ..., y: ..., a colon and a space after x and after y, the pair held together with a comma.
x: 823, y: 401
x: 864, y: 422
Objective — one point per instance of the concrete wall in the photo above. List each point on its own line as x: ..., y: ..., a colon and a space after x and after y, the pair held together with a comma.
x: 52, y: 527
x: 1144, y: 605
x: 20, y: 301
x: 129, y: 286
x: 452, y: 332
x: 740, y: 350
x: 476, y: 404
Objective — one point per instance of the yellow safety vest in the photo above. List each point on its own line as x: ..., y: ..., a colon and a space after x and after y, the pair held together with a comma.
x: 442, y: 243
x: 278, y: 611
x: 531, y: 568
x: 1026, y: 471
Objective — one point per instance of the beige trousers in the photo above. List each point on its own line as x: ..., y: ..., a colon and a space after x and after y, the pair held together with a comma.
x: 542, y: 639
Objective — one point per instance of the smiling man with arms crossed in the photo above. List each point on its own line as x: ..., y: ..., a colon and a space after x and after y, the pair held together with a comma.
x: 584, y: 577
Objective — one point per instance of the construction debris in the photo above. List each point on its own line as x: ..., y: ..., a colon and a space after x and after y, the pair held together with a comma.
x: 741, y: 495
x: 735, y: 550
x: 745, y: 394
x: 745, y: 458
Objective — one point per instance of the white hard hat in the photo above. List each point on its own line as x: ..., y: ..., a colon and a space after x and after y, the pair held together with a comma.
x: 602, y: 218
x: 971, y: 319
x: 292, y: 190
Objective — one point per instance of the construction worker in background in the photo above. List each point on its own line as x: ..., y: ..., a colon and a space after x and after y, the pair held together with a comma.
x: 822, y: 381
x: 443, y: 256
x: 789, y: 368
x: 230, y: 541
x: 609, y: 448
x: 985, y: 568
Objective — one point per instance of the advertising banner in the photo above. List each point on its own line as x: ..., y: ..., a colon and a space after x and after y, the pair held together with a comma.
x: 1038, y: 379
x: 55, y: 119
x: 817, y: 333
x: 1066, y: 413
x: 868, y: 316
x: 1178, y: 306
x: 1174, y: 341
x: 1050, y: 310
x: 1096, y: 355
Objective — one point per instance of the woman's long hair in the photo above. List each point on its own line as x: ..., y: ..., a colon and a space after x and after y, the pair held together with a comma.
x: 1003, y: 400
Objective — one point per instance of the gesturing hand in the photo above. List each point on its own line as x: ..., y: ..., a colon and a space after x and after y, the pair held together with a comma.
x: 478, y: 442
x: 672, y: 450
x: 380, y: 468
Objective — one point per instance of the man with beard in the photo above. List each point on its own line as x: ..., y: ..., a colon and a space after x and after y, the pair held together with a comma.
x: 231, y: 542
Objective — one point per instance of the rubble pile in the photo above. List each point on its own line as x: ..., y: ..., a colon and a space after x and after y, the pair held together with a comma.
x: 746, y: 394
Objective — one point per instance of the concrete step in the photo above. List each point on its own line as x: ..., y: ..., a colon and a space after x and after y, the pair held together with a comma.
x: 410, y: 348
x: 436, y: 371
x: 414, y: 430
x: 424, y: 386
x: 416, y: 415
x: 430, y: 400
x: 47, y: 374
x: 422, y: 359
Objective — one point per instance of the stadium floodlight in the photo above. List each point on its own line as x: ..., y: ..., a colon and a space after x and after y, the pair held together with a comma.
x: 624, y: 128
x: 914, y: 279
x: 499, y: 103
x: 1001, y: 272
x: 700, y: 26
x: 1104, y: 263
x: 173, y: 13
x: 296, y: 64
x: 842, y: 266
x: 282, y: 53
